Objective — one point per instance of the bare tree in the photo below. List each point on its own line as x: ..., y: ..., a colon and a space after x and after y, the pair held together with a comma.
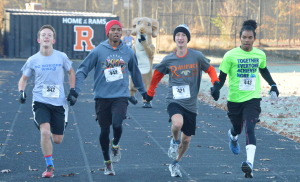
x: 201, y: 6
x: 226, y: 18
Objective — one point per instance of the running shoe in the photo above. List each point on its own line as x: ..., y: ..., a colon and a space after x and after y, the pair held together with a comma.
x: 109, y: 170
x: 147, y: 105
x: 233, y: 145
x: 175, y: 171
x: 173, y: 150
x: 49, y: 173
x: 247, y: 168
x: 115, y: 154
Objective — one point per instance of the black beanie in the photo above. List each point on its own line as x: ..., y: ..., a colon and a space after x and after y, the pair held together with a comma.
x: 182, y: 28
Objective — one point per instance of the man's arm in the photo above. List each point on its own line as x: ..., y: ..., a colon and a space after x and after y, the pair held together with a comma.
x: 157, y: 76
x: 22, y: 83
x: 72, y: 96
x: 267, y: 76
x: 21, y: 87
x: 72, y: 78
x: 212, y: 74
x: 215, y: 90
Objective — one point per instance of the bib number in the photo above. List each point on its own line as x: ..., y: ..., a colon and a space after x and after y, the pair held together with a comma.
x: 247, y: 84
x: 181, y: 92
x: 113, y: 74
x: 51, y: 91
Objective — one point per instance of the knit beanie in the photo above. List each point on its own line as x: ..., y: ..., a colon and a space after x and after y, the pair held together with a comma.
x: 182, y: 28
x: 110, y: 24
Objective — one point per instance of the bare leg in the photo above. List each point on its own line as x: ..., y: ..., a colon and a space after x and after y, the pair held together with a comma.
x: 184, y: 145
x: 177, y: 122
x: 46, y: 142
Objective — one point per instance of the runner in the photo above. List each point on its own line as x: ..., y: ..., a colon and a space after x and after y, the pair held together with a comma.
x: 242, y: 65
x: 112, y: 61
x: 184, y: 67
x: 128, y: 40
x: 50, y: 109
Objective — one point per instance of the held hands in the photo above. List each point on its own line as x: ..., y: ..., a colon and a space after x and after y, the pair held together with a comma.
x: 147, y: 97
x: 22, y: 97
x: 215, y: 91
x: 72, y: 97
x: 142, y: 38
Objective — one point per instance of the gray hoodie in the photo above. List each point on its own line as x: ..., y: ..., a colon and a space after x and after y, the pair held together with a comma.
x: 102, y: 58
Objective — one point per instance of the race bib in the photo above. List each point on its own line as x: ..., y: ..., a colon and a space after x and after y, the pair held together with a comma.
x: 113, y: 74
x: 247, y: 84
x: 181, y: 92
x: 51, y: 91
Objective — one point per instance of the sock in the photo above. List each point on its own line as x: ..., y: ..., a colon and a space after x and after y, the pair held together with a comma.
x: 107, y: 162
x: 49, y: 160
x: 250, y: 150
x: 114, y: 145
x: 234, y: 138
x: 174, y: 162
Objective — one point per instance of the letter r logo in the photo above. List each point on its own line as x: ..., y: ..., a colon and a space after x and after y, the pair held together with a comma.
x: 83, y: 34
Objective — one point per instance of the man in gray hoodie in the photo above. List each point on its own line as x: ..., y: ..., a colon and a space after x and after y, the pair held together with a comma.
x: 112, y: 62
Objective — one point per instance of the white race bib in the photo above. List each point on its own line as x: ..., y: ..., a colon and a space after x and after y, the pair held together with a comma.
x: 181, y: 92
x: 113, y: 74
x: 247, y: 84
x: 51, y: 91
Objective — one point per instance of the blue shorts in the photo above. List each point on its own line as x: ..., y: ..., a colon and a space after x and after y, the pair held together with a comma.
x: 189, y: 118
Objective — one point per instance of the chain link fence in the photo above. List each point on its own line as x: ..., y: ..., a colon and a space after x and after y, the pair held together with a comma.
x: 214, y: 24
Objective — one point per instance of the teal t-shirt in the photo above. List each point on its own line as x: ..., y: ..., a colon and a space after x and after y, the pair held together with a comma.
x: 242, y: 68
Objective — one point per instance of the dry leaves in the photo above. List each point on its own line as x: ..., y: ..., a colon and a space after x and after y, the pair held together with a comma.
x: 6, y: 171
x: 30, y: 169
x: 68, y: 175
x: 265, y: 159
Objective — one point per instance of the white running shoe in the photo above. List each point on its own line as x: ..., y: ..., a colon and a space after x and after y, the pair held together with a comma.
x: 115, y: 155
x: 173, y: 150
x: 109, y: 170
x: 175, y: 171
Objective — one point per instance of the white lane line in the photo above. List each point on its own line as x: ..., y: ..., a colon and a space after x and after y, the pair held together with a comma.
x: 10, y: 131
x: 157, y: 143
x: 86, y: 162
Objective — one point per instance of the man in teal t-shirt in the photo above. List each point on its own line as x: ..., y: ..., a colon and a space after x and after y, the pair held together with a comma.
x: 242, y: 65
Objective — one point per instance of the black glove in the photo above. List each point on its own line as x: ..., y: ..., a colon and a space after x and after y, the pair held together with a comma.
x: 274, y: 89
x: 144, y: 95
x: 72, y: 97
x: 142, y: 38
x: 22, y: 97
x: 148, y: 97
x: 215, y: 91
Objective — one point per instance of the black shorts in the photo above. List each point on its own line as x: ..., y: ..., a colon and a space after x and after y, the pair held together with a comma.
x: 189, y: 118
x: 248, y: 110
x: 105, y: 108
x: 56, y: 116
